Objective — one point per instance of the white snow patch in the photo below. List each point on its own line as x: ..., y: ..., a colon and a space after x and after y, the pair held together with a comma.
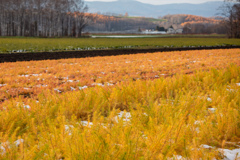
x: 145, y: 114
x: 41, y: 85
x: 84, y: 87
x: 98, y: 84
x: 57, y: 90
x: 36, y: 75
x: 231, y: 154
x: 109, y: 84
x: 177, y: 157
x: 86, y: 123
x: 68, y: 127
x: 18, y: 142
x: 72, y: 89
x: 24, y: 75
x: 212, y: 110
x: 209, y: 99
x: 26, y: 107
x: 23, y: 105
x: 125, y: 116
x: 6, y: 145
x: 206, y: 146
x: 231, y: 90
x: 71, y: 81
x: 198, y: 122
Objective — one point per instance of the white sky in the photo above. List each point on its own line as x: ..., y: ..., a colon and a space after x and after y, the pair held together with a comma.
x: 164, y: 1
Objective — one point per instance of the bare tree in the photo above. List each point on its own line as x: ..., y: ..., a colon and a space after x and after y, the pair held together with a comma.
x: 43, y: 17
x: 231, y: 13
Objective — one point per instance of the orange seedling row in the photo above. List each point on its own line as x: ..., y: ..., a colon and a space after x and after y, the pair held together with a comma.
x: 28, y: 79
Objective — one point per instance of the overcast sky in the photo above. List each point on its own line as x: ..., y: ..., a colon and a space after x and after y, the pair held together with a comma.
x: 165, y: 2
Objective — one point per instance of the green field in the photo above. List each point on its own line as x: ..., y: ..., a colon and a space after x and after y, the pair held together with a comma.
x: 12, y: 45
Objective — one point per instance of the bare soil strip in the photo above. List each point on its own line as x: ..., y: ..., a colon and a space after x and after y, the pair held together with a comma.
x: 94, y: 53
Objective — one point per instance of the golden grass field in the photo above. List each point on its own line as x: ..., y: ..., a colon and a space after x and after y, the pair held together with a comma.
x: 171, y: 105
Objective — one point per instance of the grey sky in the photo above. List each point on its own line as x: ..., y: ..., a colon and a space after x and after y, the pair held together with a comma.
x: 165, y: 2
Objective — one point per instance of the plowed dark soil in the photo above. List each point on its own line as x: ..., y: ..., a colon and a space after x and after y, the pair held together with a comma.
x: 93, y: 53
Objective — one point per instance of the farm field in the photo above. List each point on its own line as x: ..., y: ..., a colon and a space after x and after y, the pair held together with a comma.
x: 13, y: 45
x: 168, y: 105
x: 28, y: 79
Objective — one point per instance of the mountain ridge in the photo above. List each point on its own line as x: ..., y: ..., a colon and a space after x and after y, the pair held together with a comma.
x: 135, y: 8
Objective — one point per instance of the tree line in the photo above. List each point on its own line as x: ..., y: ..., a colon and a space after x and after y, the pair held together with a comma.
x: 46, y: 18
x: 231, y: 13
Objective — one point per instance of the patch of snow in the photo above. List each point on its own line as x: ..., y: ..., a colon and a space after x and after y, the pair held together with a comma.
x: 206, y: 146
x: 212, y: 110
x: 109, y: 84
x: 98, y: 84
x: 72, y: 89
x: 198, y: 122
x: 68, y: 127
x: 231, y: 90
x: 71, y: 81
x: 5, y: 145
x: 145, y: 114
x: 197, y: 130
x: 84, y: 87
x: 230, y: 154
x: 24, y: 75
x: 86, y: 123
x: 36, y: 75
x: 209, y: 99
x: 177, y: 157
x: 126, y: 116
x: 26, y: 107
x: 18, y: 142
x: 57, y: 90
x: 41, y: 85
x: 23, y: 105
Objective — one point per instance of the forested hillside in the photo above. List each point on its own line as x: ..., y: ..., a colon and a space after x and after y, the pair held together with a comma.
x: 125, y: 23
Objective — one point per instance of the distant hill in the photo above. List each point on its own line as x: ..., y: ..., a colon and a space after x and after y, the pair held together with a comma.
x: 135, y: 8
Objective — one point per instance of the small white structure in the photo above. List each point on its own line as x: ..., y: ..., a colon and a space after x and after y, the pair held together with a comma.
x: 153, y: 32
x: 171, y: 31
x: 179, y: 31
